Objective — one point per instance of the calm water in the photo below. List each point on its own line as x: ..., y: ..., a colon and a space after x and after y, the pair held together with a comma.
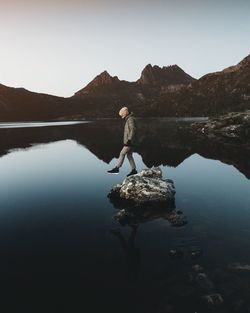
x: 62, y: 249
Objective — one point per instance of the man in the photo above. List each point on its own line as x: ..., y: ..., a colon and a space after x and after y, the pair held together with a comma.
x: 129, y: 140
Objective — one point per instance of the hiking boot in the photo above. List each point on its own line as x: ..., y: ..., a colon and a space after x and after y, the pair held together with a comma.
x: 133, y: 172
x: 114, y: 170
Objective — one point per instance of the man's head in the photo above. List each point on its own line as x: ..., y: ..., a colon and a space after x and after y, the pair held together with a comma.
x: 123, y: 112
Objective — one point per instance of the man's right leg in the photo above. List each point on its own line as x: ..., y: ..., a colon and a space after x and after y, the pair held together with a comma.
x: 120, y: 160
x: 122, y: 155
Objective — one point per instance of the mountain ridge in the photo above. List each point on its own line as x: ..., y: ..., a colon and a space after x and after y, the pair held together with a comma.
x: 150, y: 75
x: 159, y: 91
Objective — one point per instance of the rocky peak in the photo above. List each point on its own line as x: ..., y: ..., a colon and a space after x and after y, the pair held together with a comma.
x: 156, y: 75
x: 104, y: 78
x: 100, y: 80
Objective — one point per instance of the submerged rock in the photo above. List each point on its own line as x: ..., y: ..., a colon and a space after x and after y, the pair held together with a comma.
x: 195, y: 252
x: 214, y: 299
x: 176, y: 253
x: 239, y: 267
x: 176, y: 218
x: 184, y: 251
x: 198, y: 268
x: 204, y: 282
x: 146, y: 187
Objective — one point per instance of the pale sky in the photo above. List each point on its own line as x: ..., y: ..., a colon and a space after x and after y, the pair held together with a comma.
x: 59, y: 46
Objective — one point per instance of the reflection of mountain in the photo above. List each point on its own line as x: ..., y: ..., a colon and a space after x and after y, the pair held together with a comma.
x: 161, y: 142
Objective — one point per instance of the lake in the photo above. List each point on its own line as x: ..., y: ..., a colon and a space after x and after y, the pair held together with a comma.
x: 62, y: 249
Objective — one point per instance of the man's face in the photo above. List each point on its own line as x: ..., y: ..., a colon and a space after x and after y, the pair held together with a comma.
x: 123, y: 113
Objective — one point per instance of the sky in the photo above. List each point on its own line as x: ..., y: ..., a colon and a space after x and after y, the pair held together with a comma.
x: 58, y: 46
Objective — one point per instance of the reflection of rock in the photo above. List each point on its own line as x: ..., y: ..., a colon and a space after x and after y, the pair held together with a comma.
x: 142, y: 215
x: 146, y: 187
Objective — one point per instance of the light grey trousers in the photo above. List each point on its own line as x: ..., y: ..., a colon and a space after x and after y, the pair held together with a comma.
x: 126, y: 150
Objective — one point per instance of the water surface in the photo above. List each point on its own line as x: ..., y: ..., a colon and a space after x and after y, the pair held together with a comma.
x: 62, y: 249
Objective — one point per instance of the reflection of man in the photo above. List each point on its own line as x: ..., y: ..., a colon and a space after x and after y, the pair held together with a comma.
x: 128, y: 141
x: 132, y: 252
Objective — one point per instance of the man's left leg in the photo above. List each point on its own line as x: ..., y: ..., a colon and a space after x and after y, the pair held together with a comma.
x: 131, y: 162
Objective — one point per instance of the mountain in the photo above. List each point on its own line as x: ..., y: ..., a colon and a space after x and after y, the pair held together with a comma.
x: 102, y: 80
x: 106, y: 91
x: 167, y: 75
x: 150, y: 76
x: 215, y: 93
x: 19, y: 104
x: 160, y: 91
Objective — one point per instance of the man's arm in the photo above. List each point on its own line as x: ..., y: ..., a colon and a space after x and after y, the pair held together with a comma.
x: 132, y: 129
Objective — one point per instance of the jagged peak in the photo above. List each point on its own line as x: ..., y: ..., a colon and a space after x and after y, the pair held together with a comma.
x: 104, y: 78
x: 171, y: 74
x: 174, y: 67
x: 104, y: 73
x: 149, y: 65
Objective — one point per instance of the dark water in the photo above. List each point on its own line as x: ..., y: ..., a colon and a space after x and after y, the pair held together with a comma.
x: 61, y: 249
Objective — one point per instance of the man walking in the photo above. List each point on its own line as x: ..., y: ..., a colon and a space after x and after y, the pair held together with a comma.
x: 129, y: 139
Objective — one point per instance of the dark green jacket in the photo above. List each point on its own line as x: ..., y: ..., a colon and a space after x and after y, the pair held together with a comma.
x: 130, y: 129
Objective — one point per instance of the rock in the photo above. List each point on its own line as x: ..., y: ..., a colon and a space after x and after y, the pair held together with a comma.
x: 195, y: 252
x: 239, y: 267
x: 214, y: 299
x: 176, y: 253
x: 198, y: 268
x: 144, y: 197
x: 204, y: 282
x: 234, y: 125
x: 146, y: 187
x: 177, y: 219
